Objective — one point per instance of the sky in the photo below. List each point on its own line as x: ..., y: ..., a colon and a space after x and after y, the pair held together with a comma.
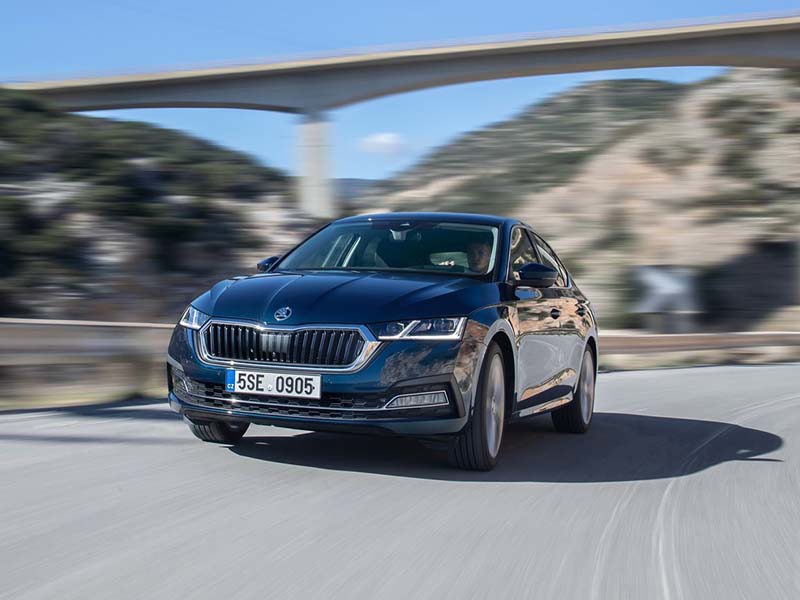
x: 56, y: 39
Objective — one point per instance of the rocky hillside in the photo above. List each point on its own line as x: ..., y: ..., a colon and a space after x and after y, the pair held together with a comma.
x: 544, y: 146
x: 631, y: 173
x: 98, y: 217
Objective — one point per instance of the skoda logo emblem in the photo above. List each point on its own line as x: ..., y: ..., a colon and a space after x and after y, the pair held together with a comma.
x: 283, y: 313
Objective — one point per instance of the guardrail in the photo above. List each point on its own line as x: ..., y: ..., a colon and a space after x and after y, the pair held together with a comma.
x: 43, y: 341
x: 60, y: 362
x: 34, y: 341
x: 627, y: 342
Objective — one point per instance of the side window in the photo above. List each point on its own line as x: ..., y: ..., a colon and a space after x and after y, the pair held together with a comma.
x: 522, y: 252
x: 549, y: 258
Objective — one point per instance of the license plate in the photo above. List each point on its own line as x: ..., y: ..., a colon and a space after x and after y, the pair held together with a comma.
x: 273, y: 384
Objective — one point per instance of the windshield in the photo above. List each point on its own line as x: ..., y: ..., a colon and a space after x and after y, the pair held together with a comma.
x: 435, y: 247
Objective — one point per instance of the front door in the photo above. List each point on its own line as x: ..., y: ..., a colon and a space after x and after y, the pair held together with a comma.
x: 571, y: 324
x: 536, y: 322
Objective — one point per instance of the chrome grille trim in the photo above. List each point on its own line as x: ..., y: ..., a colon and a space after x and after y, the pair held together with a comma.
x: 299, y: 347
x: 324, y: 347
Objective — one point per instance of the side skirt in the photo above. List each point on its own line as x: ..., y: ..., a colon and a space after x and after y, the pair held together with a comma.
x: 540, y: 408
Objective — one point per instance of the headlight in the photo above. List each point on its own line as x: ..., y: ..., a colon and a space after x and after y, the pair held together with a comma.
x: 445, y: 328
x: 193, y: 318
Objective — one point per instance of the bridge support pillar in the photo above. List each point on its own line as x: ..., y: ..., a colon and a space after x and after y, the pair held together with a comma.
x: 314, y: 189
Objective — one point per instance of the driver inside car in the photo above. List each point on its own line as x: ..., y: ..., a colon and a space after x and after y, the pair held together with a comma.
x: 479, y: 253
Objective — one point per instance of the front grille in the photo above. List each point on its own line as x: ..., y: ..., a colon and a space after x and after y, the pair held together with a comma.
x: 317, y: 347
x: 284, y: 410
x: 216, y: 391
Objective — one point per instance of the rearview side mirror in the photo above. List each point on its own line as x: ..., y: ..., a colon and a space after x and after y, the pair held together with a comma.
x: 537, y: 275
x: 266, y: 264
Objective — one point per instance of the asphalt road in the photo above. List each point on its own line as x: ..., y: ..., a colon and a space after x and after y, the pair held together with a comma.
x: 687, y: 486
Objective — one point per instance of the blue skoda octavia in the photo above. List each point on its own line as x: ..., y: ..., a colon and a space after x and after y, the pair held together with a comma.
x: 441, y: 326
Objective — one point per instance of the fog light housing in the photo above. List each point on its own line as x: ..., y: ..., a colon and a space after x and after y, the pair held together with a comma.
x: 180, y: 384
x: 417, y: 400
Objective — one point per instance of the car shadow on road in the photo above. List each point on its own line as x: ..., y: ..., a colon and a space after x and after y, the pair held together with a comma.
x: 619, y: 447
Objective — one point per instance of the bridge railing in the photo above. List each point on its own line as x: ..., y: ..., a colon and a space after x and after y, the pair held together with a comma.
x: 65, y: 362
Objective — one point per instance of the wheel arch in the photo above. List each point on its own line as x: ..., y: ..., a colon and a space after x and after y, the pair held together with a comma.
x: 591, y: 344
x: 509, y: 366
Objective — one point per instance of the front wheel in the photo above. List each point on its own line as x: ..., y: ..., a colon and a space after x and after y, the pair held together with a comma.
x: 576, y: 416
x: 477, y: 446
x: 219, y: 432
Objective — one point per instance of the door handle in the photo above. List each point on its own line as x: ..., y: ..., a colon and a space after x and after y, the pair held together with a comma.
x: 555, y: 313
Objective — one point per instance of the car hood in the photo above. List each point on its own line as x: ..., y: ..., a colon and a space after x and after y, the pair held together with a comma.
x: 345, y: 297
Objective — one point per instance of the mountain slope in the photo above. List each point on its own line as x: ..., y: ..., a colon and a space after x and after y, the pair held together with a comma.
x: 630, y: 173
x: 541, y: 147
x: 97, y: 216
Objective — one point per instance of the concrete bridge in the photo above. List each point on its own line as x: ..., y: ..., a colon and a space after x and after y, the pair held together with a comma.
x: 312, y: 88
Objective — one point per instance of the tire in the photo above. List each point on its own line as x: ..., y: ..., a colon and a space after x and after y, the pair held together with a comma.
x: 576, y: 417
x: 477, y: 446
x: 219, y: 432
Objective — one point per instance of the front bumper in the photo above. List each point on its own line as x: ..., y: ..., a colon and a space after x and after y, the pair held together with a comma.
x: 352, y: 402
x: 412, y: 426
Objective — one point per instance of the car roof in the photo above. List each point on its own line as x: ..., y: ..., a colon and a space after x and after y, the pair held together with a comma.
x: 474, y: 218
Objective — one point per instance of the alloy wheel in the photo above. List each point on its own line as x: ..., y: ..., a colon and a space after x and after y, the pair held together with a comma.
x: 495, y: 405
x: 587, y: 388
